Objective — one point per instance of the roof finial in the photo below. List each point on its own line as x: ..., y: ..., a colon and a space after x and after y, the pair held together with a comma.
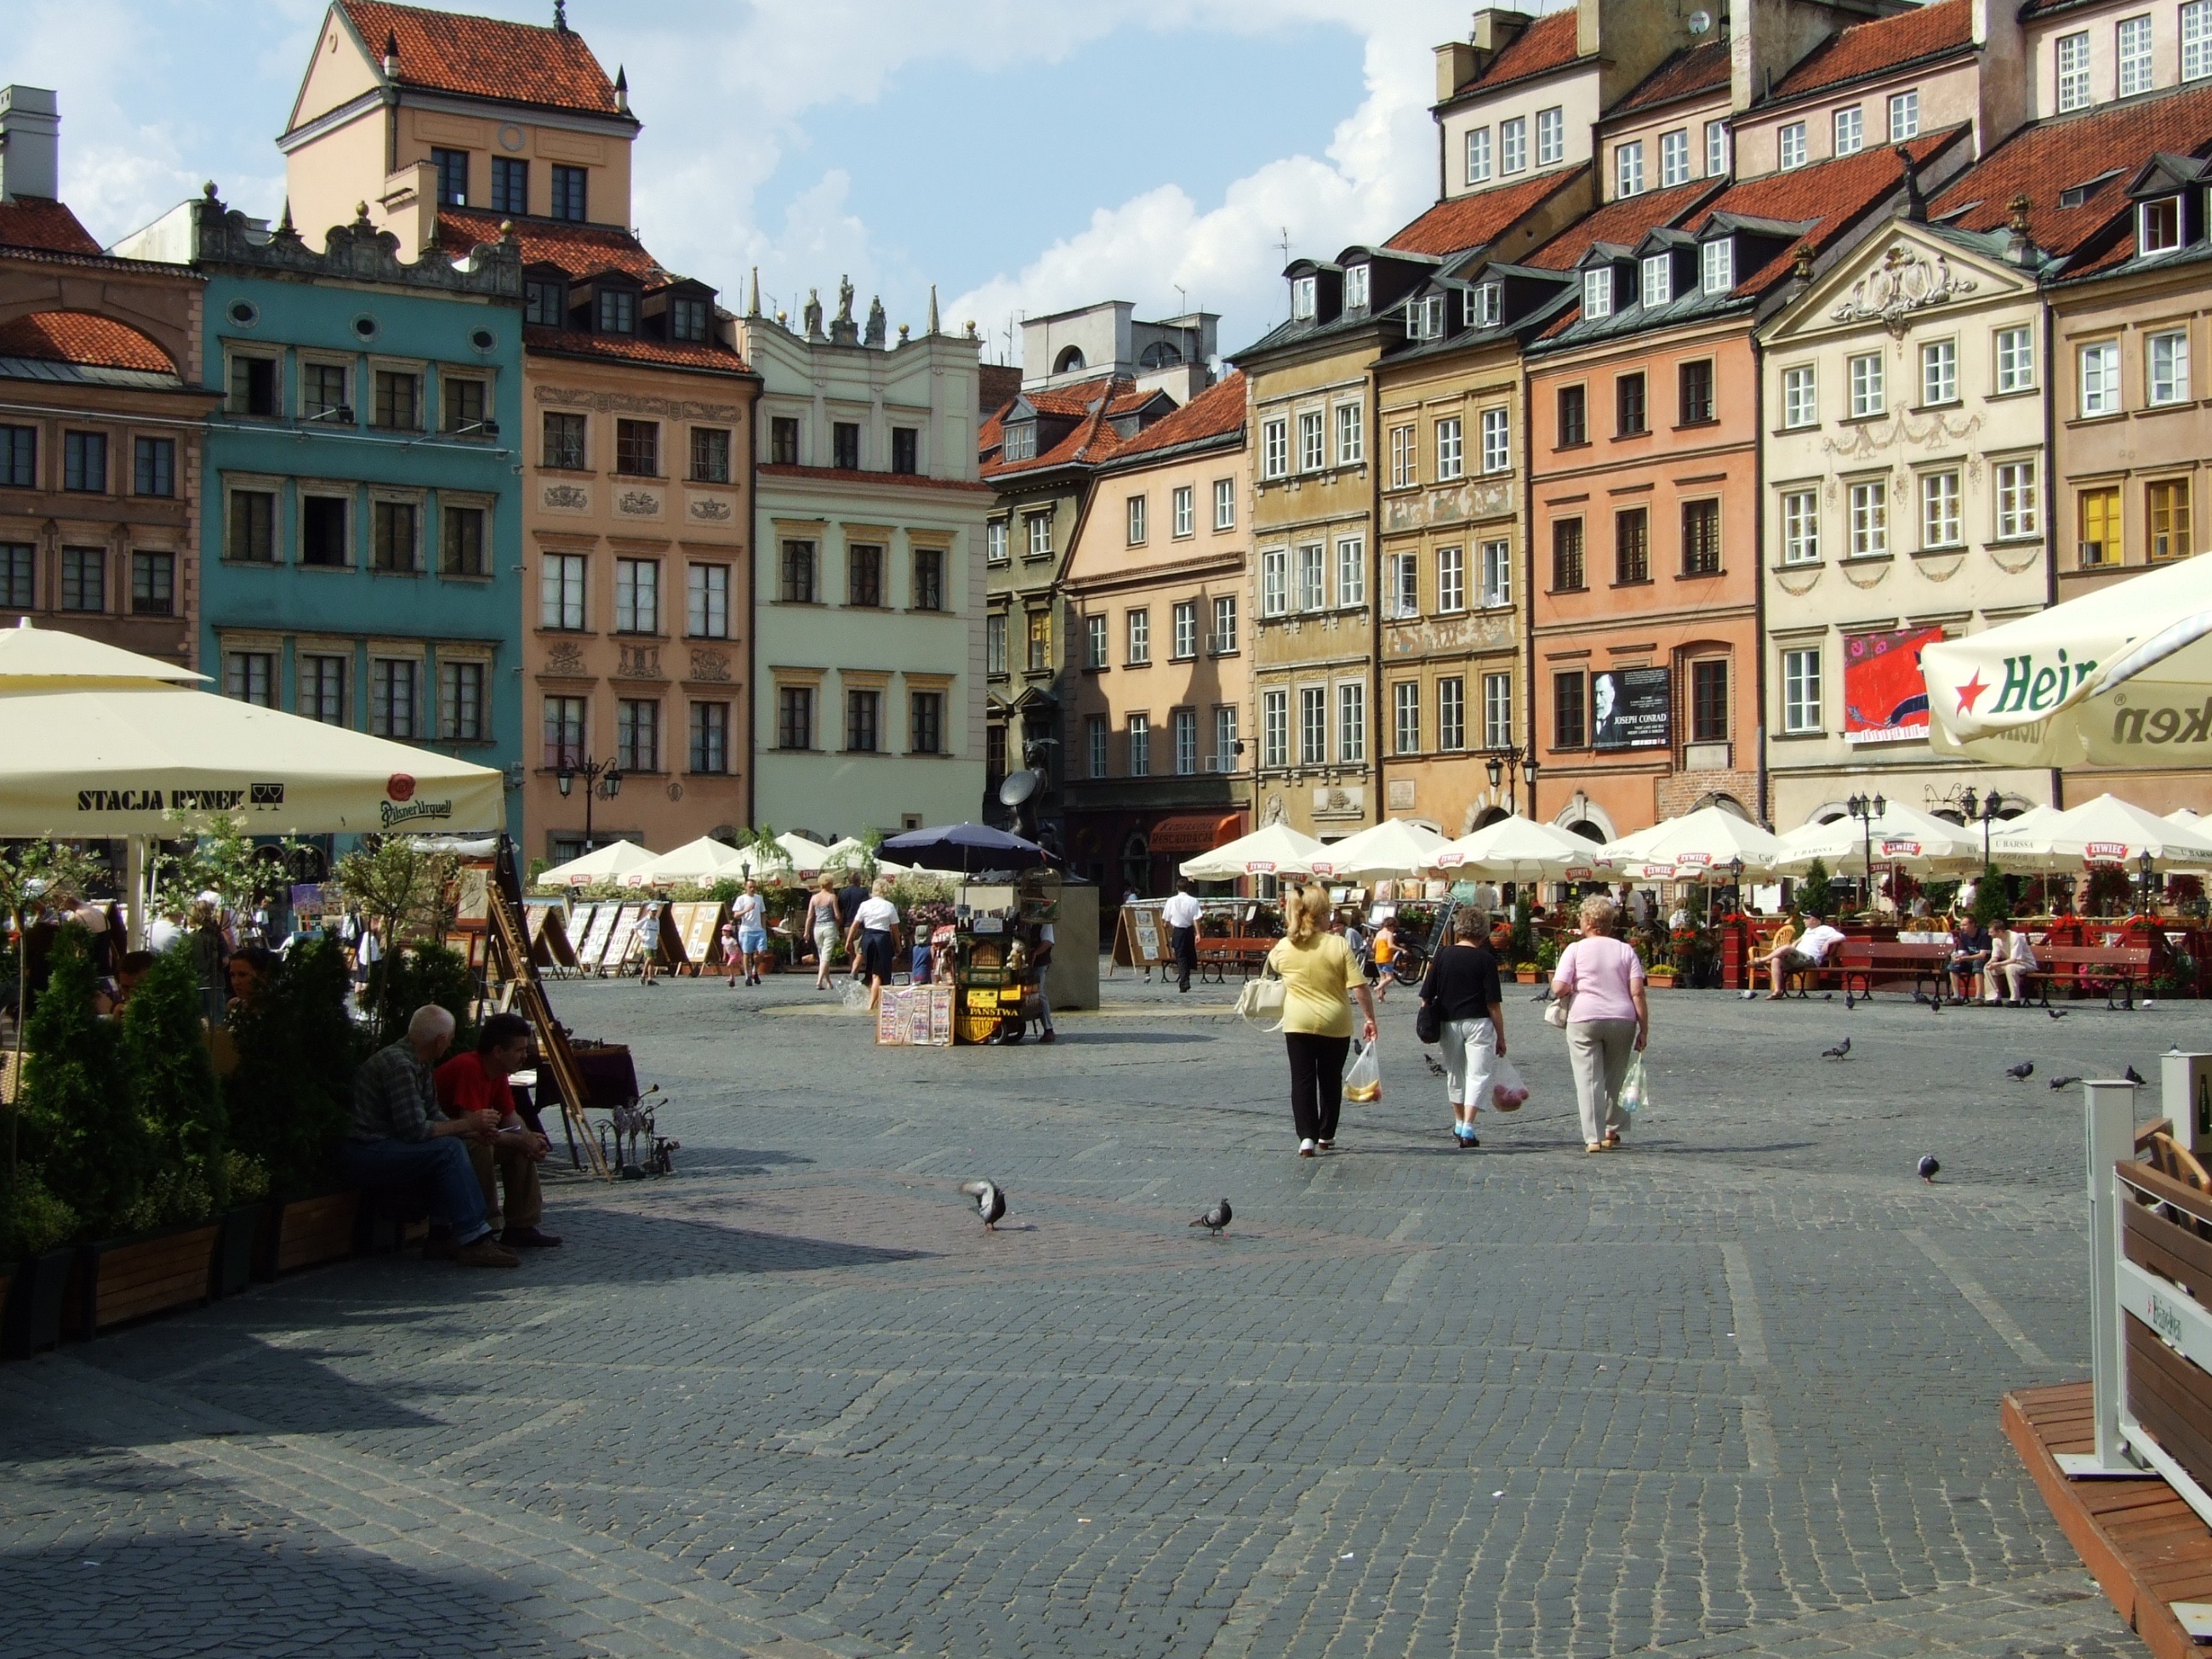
x: 391, y: 54
x: 560, y: 16
x: 621, y: 88
x: 932, y: 328
x: 752, y: 299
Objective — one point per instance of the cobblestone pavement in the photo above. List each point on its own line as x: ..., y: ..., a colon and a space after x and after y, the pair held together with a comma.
x: 1732, y: 1391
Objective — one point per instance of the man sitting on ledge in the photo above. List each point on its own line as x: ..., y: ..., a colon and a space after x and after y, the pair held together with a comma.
x: 399, y: 1137
x: 478, y: 1083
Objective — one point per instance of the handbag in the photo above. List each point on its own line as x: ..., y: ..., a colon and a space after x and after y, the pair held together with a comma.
x: 1555, y: 1013
x: 1428, y: 1022
x: 1262, y: 999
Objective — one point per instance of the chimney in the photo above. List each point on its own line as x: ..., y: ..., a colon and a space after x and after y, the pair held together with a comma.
x: 391, y: 56
x: 621, y: 88
x: 30, y: 143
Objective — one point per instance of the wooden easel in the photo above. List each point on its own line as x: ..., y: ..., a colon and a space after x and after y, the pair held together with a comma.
x: 511, y: 963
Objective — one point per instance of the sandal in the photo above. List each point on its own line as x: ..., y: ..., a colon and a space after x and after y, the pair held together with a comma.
x: 1595, y: 1147
x: 1612, y: 1139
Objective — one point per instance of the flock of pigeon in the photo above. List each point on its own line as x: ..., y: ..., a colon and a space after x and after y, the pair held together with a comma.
x: 990, y: 1206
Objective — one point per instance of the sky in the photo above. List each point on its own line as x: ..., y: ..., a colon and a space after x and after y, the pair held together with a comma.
x: 1024, y: 155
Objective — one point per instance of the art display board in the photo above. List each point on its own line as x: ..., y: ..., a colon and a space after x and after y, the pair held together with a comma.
x: 696, y: 926
x: 546, y: 932
x: 915, y: 1016
x: 1140, y: 938
x: 596, y: 937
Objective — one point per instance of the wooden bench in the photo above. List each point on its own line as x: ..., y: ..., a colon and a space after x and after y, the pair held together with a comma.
x: 1864, y: 961
x: 1216, y: 957
x: 2089, y: 968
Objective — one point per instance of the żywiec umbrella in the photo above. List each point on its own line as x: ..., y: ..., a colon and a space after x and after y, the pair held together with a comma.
x: 1899, y: 835
x: 967, y: 848
x: 1393, y: 848
x: 2120, y: 676
x: 1696, y: 845
x: 1274, y: 850
x: 2105, y: 830
x: 695, y: 864
x: 1521, y: 849
x: 608, y: 863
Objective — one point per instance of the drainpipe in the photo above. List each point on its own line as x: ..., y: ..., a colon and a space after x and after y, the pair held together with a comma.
x: 1529, y: 535
x: 1758, y: 554
x: 1373, y: 552
x: 2051, y: 494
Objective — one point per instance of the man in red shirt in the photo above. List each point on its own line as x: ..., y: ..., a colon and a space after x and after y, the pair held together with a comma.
x: 477, y: 1082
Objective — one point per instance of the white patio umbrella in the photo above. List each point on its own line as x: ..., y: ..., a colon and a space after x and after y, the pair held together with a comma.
x: 695, y: 864
x: 846, y: 854
x: 1276, y: 850
x: 1521, y: 849
x: 607, y: 863
x: 2120, y: 676
x: 2105, y: 830
x: 807, y: 857
x: 1698, y: 844
x: 1393, y: 848
x: 1899, y: 835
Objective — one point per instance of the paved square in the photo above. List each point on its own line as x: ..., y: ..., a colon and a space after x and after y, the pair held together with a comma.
x: 1732, y: 1391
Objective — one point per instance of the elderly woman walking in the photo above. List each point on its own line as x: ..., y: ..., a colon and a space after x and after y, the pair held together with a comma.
x: 1463, y: 986
x: 1601, y: 980
x: 1319, y: 973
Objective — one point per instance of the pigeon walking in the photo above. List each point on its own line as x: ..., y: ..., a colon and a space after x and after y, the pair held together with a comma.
x: 1430, y: 1061
x: 2021, y: 1072
x: 2065, y: 1082
x: 1215, y: 1218
x: 2058, y: 1013
x: 1841, y: 1051
x: 2133, y: 1076
x: 990, y: 1201
x: 1927, y: 1167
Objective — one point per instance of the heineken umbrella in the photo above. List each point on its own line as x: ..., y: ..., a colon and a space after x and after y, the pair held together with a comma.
x: 1898, y: 834
x: 1695, y: 846
x: 1521, y: 849
x: 2107, y: 830
x: 608, y: 863
x: 2120, y: 676
x: 1393, y: 848
x: 1275, y: 850
x: 97, y: 742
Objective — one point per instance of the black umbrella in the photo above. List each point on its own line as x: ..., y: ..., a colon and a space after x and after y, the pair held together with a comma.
x: 965, y: 846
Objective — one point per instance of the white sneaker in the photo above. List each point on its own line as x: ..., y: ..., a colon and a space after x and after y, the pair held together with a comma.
x: 1307, y: 1149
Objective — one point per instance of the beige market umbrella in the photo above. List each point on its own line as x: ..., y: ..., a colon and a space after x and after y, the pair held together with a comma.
x: 1520, y: 849
x: 845, y: 854
x: 98, y: 742
x: 1899, y: 835
x: 807, y: 857
x: 2105, y: 830
x: 2120, y: 676
x: 1393, y: 848
x: 608, y: 863
x: 695, y: 864
x: 1694, y: 845
x: 1276, y: 850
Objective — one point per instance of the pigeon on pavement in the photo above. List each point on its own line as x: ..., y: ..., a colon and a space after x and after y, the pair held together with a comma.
x: 1430, y: 1061
x: 990, y: 1201
x: 2021, y: 1072
x: 1928, y: 1168
x: 1841, y: 1051
x: 2058, y: 1014
x: 1215, y: 1218
x: 2065, y: 1082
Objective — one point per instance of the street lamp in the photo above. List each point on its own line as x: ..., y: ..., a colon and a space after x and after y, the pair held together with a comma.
x: 1986, y: 811
x: 597, y: 775
x: 1866, y: 809
x: 2143, y: 865
x: 1508, y: 766
x: 1735, y: 885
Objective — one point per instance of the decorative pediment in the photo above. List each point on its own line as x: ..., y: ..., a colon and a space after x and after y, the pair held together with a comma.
x: 359, y: 252
x: 1908, y: 279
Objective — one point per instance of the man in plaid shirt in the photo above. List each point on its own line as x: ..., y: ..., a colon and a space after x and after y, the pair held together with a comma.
x: 400, y: 1138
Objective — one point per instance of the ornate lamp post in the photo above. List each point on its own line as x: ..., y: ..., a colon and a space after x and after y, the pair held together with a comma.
x: 1508, y: 766
x: 2143, y: 866
x: 1985, y: 811
x: 597, y: 775
x: 1866, y: 809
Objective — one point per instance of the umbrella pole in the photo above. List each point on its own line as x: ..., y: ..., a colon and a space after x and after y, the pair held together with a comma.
x: 134, y: 881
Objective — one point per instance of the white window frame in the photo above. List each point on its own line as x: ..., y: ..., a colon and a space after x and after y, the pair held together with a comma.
x: 1597, y: 292
x: 1850, y: 131
x: 1275, y: 727
x: 2166, y: 368
x: 1222, y: 640
x: 1401, y: 597
x: 1790, y: 146
x: 1355, y: 278
x: 1096, y: 729
x: 1801, y: 396
x: 1869, y: 509
x: 1313, y: 725
x: 1869, y: 393
x: 1139, y: 730
x: 2197, y: 40
x: 1497, y: 440
x: 1313, y: 448
x: 1451, y: 449
x: 1405, y: 456
x: 1304, y: 294
x: 1224, y: 738
x: 1497, y: 711
x: 1716, y: 264
x: 1717, y: 145
x: 1512, y: 146
x: 1275, y: 447
x: 2015, y: 353
x: 1350, y: 434
x: 1182, y: 504
x: 2159, y: 225
x: 1137, y: 636
x: 1225, y: 503
x: 1135, y: 512
x: 995, y: 541
x: 1351, y: 723
x: 2131, y: 55
x: 1802, y: 710
x: 1451, y: 580
x: 2070, y: 57
x: 2018, y: 489
x: 1039, y: 526
x: 1406, y: 717
x: 2099, y: 387
x: 1628, y: 168
x: 1451, y: 713
x: 1309, y: 569
x: 1497, y: 575
x: 1182, y: 730
x: 1551, y: 135
x: 1905, y: 115
x: 1275, y: 581
x: 1478, y: 155
x: 1942, y: 516
x: 1674, y: 158
x: 1656, y: 286
x: 1094, y: 648
x: 1801, y: 526
x: 1351, y: 570
x: 1939, y: 372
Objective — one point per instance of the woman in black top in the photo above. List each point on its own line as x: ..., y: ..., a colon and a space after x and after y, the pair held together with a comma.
x: 1462, y: 985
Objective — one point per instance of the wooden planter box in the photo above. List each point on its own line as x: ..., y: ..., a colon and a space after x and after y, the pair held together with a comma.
x: 1663, y: 978
x: 37, y: 1293
x: 240, y: 1239
x: 125, y: 1278
x: 307, y: 1232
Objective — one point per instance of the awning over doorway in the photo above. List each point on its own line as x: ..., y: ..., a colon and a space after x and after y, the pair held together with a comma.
x: 1194, y: 832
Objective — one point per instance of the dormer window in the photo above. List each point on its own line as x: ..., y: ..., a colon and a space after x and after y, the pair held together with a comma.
x: 1597, y: 292
x: 687, y: 320
x: 2158, y: 225
x: 545, y: 302
x: 1486, y: 305
x: 1425, y: 317
x: 1355, y: 287
x: 1658, y: 279
x: 1716, y: 266
x: 618, y: 311
x: 1018, y: 442
x: 1302, y: 292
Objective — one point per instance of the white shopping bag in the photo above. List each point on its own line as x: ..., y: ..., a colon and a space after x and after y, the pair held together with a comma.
x: 1508, y: 1093
x: 1635, y: 1094
x: 1363, y: 1074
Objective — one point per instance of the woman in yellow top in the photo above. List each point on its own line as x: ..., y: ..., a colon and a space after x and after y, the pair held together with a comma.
x: 1319, y: 973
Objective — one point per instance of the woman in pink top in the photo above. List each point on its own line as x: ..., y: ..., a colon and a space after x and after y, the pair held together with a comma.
x: 1602, y: 978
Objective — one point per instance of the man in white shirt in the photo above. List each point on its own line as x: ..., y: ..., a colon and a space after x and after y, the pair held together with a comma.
x: 1181, y: 914
x: 1819, y: 939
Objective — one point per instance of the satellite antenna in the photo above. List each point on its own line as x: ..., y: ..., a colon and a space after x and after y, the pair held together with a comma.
x: 1700, y: 21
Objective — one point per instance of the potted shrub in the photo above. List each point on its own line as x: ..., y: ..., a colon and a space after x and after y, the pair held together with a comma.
x: 35, y: 1227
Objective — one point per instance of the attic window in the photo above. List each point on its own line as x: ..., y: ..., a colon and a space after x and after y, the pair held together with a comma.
x: 1068, y: 361
x: 1658, y: 278
x: 2075, y: 195
x: 618, y: 311
x: 1425, y: 318
x: 2158, y: 225
x: 1355, y: 286
x: 1161, y: 354
x: 1716, y: 264
x: 1485, y: 304
x: 1018, y: 442
x: 687, y: 319
x: 1303, y: 290
x: 1597, y: 292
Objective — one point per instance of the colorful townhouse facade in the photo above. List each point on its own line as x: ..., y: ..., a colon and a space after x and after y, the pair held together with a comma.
x: 362, y: 508
x: 637, y: 439
x: 868, y: 697
x: 101, y: 415
x: 1157, y: 590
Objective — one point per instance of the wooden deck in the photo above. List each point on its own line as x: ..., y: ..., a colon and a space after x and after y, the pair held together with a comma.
x: 2146, y: 1547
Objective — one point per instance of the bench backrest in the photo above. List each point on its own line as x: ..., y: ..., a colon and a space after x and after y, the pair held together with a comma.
x: 2095, y: 956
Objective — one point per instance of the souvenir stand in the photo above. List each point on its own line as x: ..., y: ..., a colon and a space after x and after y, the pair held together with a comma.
x: 989, y: 956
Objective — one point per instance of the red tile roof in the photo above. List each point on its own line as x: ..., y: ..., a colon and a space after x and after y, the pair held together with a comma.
x: 854, y: 475
x: 1886, y: 43
x: 1547, y: 44
x: 486, y: 58
x: 580, y: 250
x: 1092, y: 441
x: 1623, y: 221
x: 2041, y: 160
x: 1214, y: 413
x: 79, y: 337
x: 1828, y: 196
x: 29, y: 222
x: 1692, y: 70
x: 711, y: 356
x: 1467, y: 221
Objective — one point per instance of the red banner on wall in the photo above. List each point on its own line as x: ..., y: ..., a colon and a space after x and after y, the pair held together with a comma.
x: 1885, y: 699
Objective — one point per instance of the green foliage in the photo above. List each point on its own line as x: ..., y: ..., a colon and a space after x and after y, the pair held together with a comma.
x: 407, y: 980
x: 32, y: 1219
x: 1992, y: 900
x: 31, y: 871
x: 402, y: 892
x: 173, y: 1087
x: 1521, y: 943
x: 2110, y: 892
x: 1812, y: 891
x: 81, y: 1131
x: 290, y: 1098
x: 1547, y: 954
x: 217, y: 856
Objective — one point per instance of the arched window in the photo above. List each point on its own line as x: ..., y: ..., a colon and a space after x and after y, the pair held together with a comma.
x: 1587, y: 830
x: 1490, y: 816
x: 1159, y: 354
x: 1068, y: 361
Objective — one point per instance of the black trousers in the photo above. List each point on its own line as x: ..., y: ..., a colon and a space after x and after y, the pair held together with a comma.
x: 1185, y: 941
x: 1316, y: 1082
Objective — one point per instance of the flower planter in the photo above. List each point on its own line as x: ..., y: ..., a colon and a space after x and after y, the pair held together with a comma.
x: 1663, y: 978
x: 1528, y: 976
x: 119, y: 1280
x: 307, y: 1232
x: 240, y: 1236
x: 35, y: 1296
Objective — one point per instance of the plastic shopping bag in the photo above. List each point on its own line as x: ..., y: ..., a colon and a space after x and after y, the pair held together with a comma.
x: 1508, y: 1093
x: 854, y: 995
x: 1363, y: 1075
x: 1634, y: 1095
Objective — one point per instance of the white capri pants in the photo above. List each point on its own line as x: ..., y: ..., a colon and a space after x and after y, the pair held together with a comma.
x: 1470, y: 1048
